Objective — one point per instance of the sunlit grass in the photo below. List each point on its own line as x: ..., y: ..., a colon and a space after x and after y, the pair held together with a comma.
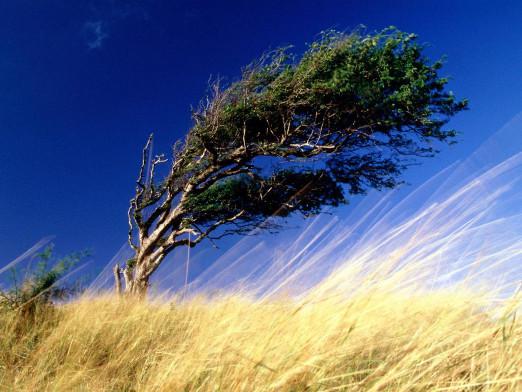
x: 373, y: 341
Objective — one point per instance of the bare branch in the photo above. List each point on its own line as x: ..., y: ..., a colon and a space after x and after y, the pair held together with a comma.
x: 117, y: 279
x: 158, y: 159
x: 130, y: 214
x: 144, y: 160
x: 128, y: 277
x: 206, y: 233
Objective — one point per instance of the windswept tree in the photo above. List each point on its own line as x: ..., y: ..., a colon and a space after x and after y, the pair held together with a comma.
x: 292, y: 135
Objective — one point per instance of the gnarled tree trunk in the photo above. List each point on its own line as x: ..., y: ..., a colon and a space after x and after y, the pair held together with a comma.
x: 137, y: 275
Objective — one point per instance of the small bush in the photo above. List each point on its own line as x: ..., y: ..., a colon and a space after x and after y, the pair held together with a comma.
x: 40, y: 287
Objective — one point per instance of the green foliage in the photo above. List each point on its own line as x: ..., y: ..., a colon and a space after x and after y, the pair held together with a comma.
x: 381, y: 82
x: 131, y: 263
x: 361, y: 107
x: 39, y: 287
x: 279, y: 195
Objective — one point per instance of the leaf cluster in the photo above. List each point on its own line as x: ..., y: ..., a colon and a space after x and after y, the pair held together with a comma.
x: 364, y: 106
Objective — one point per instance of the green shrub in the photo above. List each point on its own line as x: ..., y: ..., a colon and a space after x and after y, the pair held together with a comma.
x: 43, y: 285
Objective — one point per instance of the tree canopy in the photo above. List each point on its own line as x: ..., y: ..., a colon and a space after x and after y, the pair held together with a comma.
x: 294, y: 134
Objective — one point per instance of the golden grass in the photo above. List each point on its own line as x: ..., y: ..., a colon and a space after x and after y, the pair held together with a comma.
x: 369, y: 342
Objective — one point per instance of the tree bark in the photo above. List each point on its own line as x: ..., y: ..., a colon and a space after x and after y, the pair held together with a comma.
x: 138, y: 286
x: 136, y: 278
x: 117, y: 279
x: 137, y: 282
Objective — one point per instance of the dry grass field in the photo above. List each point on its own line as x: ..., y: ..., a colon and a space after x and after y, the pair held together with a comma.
x: 374, y: 340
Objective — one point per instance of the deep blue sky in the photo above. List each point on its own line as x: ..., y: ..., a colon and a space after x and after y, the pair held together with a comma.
x: 82, y: 83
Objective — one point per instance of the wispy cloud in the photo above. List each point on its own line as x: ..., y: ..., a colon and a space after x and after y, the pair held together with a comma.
x: 105, y: 15
x: 96, y: 34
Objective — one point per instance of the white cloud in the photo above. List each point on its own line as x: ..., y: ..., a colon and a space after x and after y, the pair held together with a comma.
x: 96, y: 34
x: 106, y: 15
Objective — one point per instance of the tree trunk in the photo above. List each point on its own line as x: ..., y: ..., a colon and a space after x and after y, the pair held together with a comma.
x: 136, y: 278
x: 138, y: 287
